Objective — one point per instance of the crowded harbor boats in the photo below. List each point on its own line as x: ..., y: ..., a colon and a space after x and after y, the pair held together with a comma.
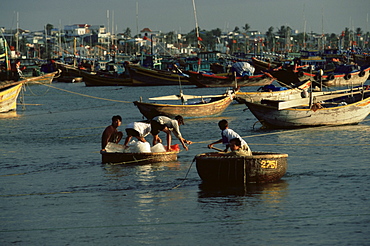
x: 283, y: 88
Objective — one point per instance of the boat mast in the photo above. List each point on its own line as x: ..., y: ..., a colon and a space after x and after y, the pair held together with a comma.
x: 137, y: 29
x: 61, y: 52
x: 7, y: 50
x: 17, y: 34
x: 108, y: 34
x: 137, y: 18
x: 197, y: 32
x: 367, y: 30
x: 322, y: 30
x: 196, y: 24
x: 74, y: 51
x: 113, y: 45
x: 304, y: 27
x: 46, y: 42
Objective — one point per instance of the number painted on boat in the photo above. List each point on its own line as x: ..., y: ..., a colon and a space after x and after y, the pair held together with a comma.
x: 271, y: 164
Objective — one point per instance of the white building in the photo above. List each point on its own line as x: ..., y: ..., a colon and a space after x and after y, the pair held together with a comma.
x: 98, y: 29
x: 77, y: 29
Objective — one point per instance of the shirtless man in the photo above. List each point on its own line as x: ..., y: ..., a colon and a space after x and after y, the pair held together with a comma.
x: 111, y: 134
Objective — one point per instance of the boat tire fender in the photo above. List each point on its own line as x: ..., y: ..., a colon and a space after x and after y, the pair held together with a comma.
x: 362, y: 73
x: 246, y: 77
x: 330, y: 76
x: 300, y: 74
x: 347, y: 76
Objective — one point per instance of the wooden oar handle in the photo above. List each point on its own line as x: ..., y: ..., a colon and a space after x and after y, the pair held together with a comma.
x: 217, y: 149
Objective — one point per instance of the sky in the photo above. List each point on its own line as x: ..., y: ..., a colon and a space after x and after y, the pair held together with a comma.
x: 328, y: 16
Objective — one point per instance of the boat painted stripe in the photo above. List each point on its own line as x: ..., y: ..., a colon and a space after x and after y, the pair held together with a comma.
x: 10, y: 94
x: 308, y: 74
x: 155, y: 72
x: 225, y: 100
x: 363, y: 104
x: 161, y: 77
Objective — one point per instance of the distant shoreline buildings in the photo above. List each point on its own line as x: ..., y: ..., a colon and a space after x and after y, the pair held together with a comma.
x: 87, y: 40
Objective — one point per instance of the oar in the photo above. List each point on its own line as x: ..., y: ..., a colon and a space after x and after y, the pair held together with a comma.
x: 217, y: 149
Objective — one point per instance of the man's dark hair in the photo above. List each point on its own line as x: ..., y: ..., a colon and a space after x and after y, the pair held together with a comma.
x: 236, y: 141
x: 180, y: 119
x: 223, y: 124
x: 116, y: 117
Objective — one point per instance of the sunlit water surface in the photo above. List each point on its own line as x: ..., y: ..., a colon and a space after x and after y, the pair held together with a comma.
x: 55, y: 191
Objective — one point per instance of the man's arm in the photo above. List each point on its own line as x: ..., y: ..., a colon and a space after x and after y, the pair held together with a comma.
x: 217, y: 142
x: 176, y: 129
x: 106, y: 136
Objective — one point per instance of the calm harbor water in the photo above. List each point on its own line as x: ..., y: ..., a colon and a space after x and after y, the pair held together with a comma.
x: 55, y: 191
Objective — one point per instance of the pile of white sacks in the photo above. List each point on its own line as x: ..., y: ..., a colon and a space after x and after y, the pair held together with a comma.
x: 135, y: 147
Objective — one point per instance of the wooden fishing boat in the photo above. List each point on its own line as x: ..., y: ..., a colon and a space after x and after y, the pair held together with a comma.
x: 46, y: 78
x: 261, y: 167
x: 102, y: 79
x: 142, y: 76
x: 272, y: 94
x: 361, y: 59
x: 95, y: 78
x: 332, y: 79
x: 223, y: 80
x: 266, y: 65
x: 9, y: 91
x: 138, y: 158
x: 353, y: 78
x: 344, y: 107
x: 204, y: 106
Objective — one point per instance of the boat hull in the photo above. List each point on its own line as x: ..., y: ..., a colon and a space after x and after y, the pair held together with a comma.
x: 261, y: 167
x: 101, y: 80
x: 94, y: 79
x: 8, y: 96
x: 257, y: 96
x: 263, y: 65
x: 150, y: 110
x: 328, y: 80
x: 290, y: 94
x: 138, y: 158
x: 43, y: 79
x: 331, y: 114
x: 351, y: 79
x: 214, y: 80
x: 149, y: 77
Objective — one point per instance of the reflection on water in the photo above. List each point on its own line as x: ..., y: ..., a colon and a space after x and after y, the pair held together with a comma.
x: 11, y: 114
x: 270, y: 192
x: 117, y: 171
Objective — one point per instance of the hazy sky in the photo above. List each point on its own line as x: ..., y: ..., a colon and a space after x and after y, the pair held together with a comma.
x: 332, y: 16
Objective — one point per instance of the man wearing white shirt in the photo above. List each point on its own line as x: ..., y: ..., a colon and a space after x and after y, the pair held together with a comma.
x: 168, y: 125
x: 137, y: 129
x: 227, y: 134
